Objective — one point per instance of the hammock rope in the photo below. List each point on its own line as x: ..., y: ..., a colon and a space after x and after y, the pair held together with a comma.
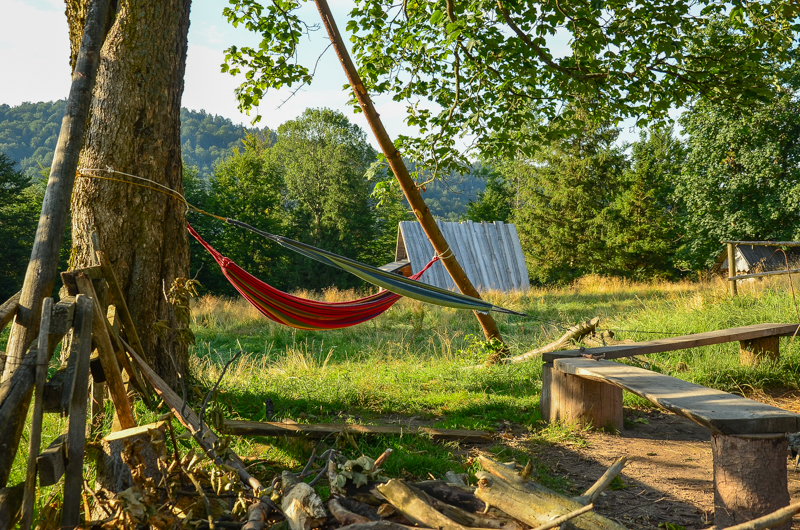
x: 308, y: 314
x: 302, y: 313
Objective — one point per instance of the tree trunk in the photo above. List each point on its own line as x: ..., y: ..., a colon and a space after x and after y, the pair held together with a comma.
x: 135, y: 128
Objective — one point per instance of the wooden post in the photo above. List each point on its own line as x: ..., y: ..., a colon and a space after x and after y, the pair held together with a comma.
x: 421, y: 211
x: 35, y: 442
x: 572, y: 399
x: 751, y: 352
x: 42, y: 267
x: 749, y: 477
x: 76, y: 433
x: 107, y: 358
x: 732, y: 267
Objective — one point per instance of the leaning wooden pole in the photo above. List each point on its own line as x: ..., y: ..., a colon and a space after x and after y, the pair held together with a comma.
x: 421, y: 211
x: 43, y: 266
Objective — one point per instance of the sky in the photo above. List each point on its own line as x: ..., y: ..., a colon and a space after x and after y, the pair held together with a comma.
x: 34, y: 59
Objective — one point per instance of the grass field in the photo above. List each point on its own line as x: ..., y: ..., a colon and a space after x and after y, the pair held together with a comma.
x: 418, y: 363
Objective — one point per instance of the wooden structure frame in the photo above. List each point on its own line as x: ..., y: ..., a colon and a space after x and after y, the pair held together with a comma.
x: 733, y: 277
x: 748, y: 438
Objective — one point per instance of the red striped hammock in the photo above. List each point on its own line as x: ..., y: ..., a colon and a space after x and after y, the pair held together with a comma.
x: 302, y: 313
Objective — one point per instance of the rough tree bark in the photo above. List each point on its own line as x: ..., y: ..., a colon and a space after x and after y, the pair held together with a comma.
x: 135, y: 128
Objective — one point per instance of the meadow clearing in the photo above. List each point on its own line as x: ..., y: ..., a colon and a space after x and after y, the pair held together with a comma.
x: 418, y: 364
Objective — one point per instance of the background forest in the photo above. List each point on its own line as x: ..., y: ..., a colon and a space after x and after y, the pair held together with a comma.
x: 583, y: 204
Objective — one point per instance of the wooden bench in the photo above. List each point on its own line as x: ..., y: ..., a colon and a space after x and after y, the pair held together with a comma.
x: 748, y: 438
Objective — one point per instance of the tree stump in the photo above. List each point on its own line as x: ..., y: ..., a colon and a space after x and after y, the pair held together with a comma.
x: 571, y: 399
x: 749, y: 477
x: 112, y: 473
x: 751, y: 352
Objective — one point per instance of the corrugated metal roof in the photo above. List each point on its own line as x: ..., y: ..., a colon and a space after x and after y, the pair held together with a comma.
x: 749, y: 258
x: 489, y: 253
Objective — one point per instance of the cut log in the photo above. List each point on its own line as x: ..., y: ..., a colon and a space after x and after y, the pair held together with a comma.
x: 414, y: 507
x: 574, y: 333
x: 749, y: 477
x: 343, y: 515
x: 257, y: 514
x: 300, y: 504
x: 463, y: 517
x: 462, y: 497
x: 529, y: 502
x: 571, y: 399
x: 752, y: 352
x: 81, y: 347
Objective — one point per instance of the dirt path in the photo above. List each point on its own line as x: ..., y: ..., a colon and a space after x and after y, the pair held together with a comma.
x: 669, y: 476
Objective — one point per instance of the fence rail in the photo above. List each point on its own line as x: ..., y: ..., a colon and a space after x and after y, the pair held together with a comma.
x: 732, y: 260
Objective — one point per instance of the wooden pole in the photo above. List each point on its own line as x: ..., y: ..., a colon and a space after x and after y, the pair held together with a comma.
x: 421, y: 211
x: 41, y: 273
x: 732, y: 267
x: 35, y: 442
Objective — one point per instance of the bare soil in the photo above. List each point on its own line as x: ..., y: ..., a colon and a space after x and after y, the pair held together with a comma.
x: 669, y: 477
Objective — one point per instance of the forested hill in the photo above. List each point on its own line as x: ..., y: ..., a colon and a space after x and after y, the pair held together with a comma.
x: 28, y: 134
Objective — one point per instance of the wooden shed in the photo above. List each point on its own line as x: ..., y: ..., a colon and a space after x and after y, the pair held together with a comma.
x: 489, y: 253
x: 754, y: 258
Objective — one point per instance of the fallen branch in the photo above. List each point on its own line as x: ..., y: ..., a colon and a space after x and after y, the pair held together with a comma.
x: 343, y: 515
x: 603, y: 482
x: 558, y: 521
x: 574, y: 333
x: 768, y: 521
x: 205, y: 437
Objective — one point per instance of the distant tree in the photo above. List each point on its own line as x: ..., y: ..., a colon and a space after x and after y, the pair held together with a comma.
x: 741, y: 179
x: 645, y: 227
x: 325, y: 159
x: 248, y: 186
x: 566, y: 200
x: 495, y: 202
x: 20, y: 204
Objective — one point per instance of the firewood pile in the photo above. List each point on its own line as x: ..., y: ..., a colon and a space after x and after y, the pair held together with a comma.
x: 171, y: 488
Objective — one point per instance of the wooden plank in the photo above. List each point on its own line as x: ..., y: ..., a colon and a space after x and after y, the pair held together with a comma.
x: 520, y: 259
x: 51, y: 463
x: 488, y: 242
x: 8, y: 310
x: 205, y: 437
x: 475, y: 250
x: 35, y: 440
x: 503, y: 281
x: 400, y: 248
x: 447, y: 231
x: 10, y: 502
x: 505, y: 244
x: 758, y: 274
x: 755, y: 331
x: 107, y: 357
x: 61, y: 317
x: 447, y: 281
x: 765, y: 243
x: 68, y: 277
x: 134, y: 378
x: 717, y: 410
x: 85, y: 318
x: 395, y: 266
x: 464, y: 246
x: 321, y: 430
x: 125, y: 318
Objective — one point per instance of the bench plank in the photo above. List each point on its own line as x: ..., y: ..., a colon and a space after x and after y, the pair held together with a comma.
x: 717, y: 410
x: 756, y: 331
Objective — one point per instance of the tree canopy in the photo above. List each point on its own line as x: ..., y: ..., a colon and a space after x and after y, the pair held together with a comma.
x: 493, y: 68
